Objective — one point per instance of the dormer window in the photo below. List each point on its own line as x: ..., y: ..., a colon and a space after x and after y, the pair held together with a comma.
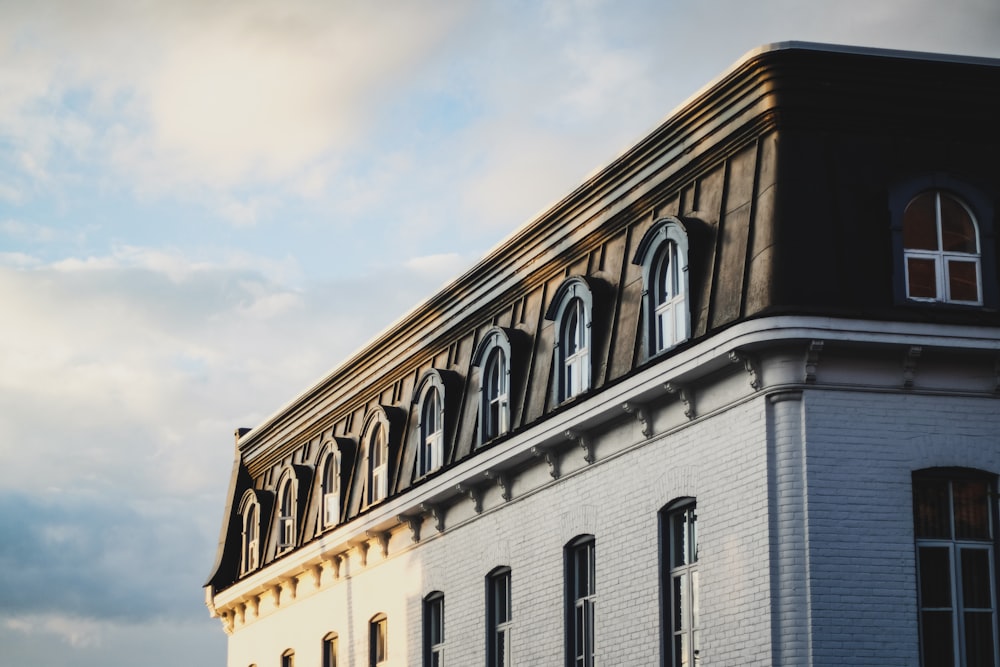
x: 941, y: 250
x: 286, y: 513
x: 571, y: 312
x: 663, y: 255
x: 330, y: 486
x: 493, y: 360
x: 375, y: 445
x: 431, y: 452
x: 250, y: 542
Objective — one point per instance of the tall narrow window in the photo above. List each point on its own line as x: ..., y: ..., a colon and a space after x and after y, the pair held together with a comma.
x: 680, y: 576
x: 431, y: 452
x: 251, y: 531
x: 288, y: 658
x: 581, y: 597
x: 663, y: 255
x: 286, y: 514
x: 956, y: 569
x: 378, y: 464
x: 499, y: 619
x: 330, y: 649
x: 378, y: 640
x: 571, y: 311
x: 492, y: 358
x: 434, y: 630
x: 941, y: 250
x: 330, y: 487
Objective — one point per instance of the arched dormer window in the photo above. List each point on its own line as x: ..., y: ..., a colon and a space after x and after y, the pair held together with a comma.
x: 250, y: 542
x: 941, y: 250
x: 287, y: 511
x: 492, y: 358
x: 571, y: 310
x: 663, y: 255
x: 430, y: 431
x: 329, y: 484
x: 375, y: 440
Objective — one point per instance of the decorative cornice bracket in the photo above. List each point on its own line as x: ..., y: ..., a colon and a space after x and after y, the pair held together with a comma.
x: 413, y: 522
x: 473, y: 493
x: 641, y: 413
x: 750, y: 364
x: 437, y: 512
x: 684, y: 394
x: 551, y: 457
x: 502, y: 478
x: 813, y: 352
x: 584, y: 442
x: 910, y: 365
x: 382, y: 538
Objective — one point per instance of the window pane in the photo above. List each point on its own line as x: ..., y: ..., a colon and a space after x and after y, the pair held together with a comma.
x: 976, y: 580
x: 958, y: 233
x: 921, y: 278
x: 935, y: 639
x: 935, y: 577
x: 681, y: 651
x: 680, y: 603
x: 920, y: 223
x: 963, y: 280
x: 972, y: 518
x: 931, y: 512
x: 979, y: 639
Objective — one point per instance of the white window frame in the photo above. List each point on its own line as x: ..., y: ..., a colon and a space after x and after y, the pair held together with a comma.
x: 663, y: 255
x: 430, y: 429
x: 378, y: 640
x: 681, y: 615
x: 330, y: 463
x: 499, y: 618
x: 330, y: 649
x: 571, y: 311
x: 942, y: 258
x: 434, y: 637
x: 493, y: 359
x: 955, y: 547
x: 250, y: 538
x: 375, y: 439
x: 287, y: 510
x: 581, y: 602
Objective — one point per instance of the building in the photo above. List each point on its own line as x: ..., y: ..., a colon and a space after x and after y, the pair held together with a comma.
x: 733, y: 401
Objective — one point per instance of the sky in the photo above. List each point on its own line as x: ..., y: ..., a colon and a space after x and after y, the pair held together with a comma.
x: 206, y: 206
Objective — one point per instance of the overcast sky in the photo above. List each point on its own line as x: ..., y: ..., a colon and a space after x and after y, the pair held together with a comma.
x: 205, y: 206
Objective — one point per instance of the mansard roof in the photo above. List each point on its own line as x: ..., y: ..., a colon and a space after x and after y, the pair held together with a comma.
x: 783, y: 171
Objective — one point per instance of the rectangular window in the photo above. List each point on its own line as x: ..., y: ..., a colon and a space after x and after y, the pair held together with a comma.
x: 330, y: 650
x: 434, y: 630
x: 378, y: 640
x: 581, y: 598
x: 498, y: 618
x: 956, y: 570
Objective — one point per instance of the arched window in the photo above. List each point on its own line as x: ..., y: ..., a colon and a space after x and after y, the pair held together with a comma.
x: 288, y: 658
x: 375, y: 439
x: 581, y: 600
x: 430, y: 446
x: 953, y: 526
x: 433, y: 648
x: 499, y: 619
x: 330, y: 649
x: 286, y: 512
x: 378, y: 640
x: 493, y: 360
x: 679, y: 579
x: 941, y: 250
x: 663, y: 255
x: 250, y: 547
x: 330, y: 485
x: 571, y: 312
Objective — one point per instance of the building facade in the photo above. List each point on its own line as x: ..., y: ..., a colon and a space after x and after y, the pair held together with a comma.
x: 733, y: 401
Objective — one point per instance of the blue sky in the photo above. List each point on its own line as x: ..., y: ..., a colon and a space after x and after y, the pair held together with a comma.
x: 206, y: 206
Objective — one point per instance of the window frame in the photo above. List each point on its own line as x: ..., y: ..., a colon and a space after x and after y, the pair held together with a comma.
x: 433, y: 629
x: 287, y: 497
x: 329, y: 649
x: 572, y: 304
x: 981, y: 210
x: 686, y: 630
x: 250, y: 521
x: 499, y: 619
x: 494, y: 352
x: 580, y: 602
x: 375, y: 439
x: 664, y: 248
x: 288, y: 658
x: 330, y: 462
x: 430, y: 431
x: 956, y: 547
x: 378, y: 640
x: 941, y: 258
